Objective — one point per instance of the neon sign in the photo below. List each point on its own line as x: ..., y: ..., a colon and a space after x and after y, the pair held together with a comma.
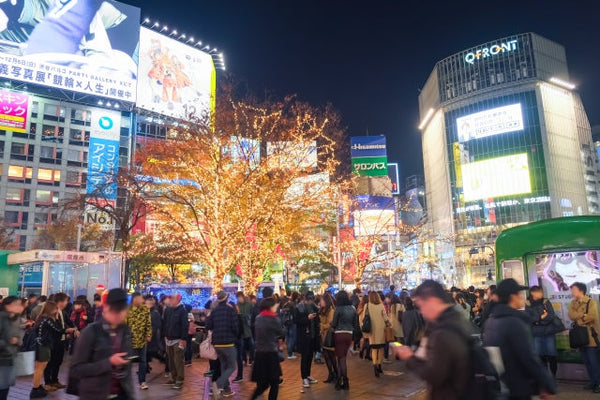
x: 486, y: 52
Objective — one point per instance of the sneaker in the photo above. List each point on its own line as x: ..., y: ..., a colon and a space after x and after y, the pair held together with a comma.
x: 292, y: 357
x: 37, y: 393
x: 167, y: 375
x: 227, y: 393
x: 143, y: 386
x: 188, y: 364
x: 305, y: 383
x: 238, y: 379
x: 50, y: 388
x: 59, y: 385
x: 208, y: 374
x: 178, y: 386
x: 312, y: 380
x: 169, y: 382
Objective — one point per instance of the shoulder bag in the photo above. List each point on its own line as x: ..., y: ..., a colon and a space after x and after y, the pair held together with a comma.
x: 207, y: 350
x: 556, y: 325
x: 366, y: 324
x: 578, y: 335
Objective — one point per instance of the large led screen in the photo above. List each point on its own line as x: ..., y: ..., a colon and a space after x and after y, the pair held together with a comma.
x: 174, y: 79
x: 81, y: 46
x: 490, y: 122
x: 374, y: 216
x: 495, y: 177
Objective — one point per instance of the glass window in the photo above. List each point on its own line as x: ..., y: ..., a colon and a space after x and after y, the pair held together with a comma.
x: 81, y: 117
x: 35, y: 106
x: 72, y: 177
x: 43, y: 196
x: 73, y: 155
x: 47, y: 152
x: 11, y: 217
x: 18, y: 149
x: 40, y: 219
x: 45, y: 174
x: 15, y: 171
x: 14, y: 194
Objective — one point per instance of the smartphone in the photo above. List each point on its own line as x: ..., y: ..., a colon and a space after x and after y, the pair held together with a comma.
x: 396, y: 344
x: 131, y: 357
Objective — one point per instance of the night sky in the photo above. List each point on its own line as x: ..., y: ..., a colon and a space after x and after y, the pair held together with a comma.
x: 369, y: 58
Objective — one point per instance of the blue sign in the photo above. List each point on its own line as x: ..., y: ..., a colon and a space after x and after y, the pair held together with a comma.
x: 368, y: 146
x: 102, y: 168
x: 32, y: 274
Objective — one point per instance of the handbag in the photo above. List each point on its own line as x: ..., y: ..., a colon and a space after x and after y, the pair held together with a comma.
x: 366, y: 325
x: 329, y: 341
x: 578, y: 335
x: 207, y: 350
x: 389, y: 334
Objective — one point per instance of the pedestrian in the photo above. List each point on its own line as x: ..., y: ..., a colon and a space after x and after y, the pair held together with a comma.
x: 10, y: 339
x: 244, y: 346
x: 365, y: 351
x: 266, y: 293
x: 584, y: 312
x: 544, y: 332
x: 413, y: 325
x: 31, y: 303
x: 100, y: 368
x: 344, y: 325
x: 307, y: 329
x: 79, y: 316
x: 443, y: 359
x: 140, y: 324
x: 462, y: 306
x: 189, y: 351
x: 395, y: 314
x: 175, y: 330
x: 477, y: 309
x: 97, y: 308
x: 379, y: 321
x: 326, y: 312
x: 318, y: 348
x: 508, y: 328
x: 224, y: 323
x: 37, y: 309
x: 59, y: 342
x: 287, y: 313
x: 155, y: 346
x: 269, y: 334
x: 47, y: 328
x: 492, y: 300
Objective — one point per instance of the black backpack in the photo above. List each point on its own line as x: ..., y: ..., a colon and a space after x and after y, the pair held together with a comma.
x: 485, y: 381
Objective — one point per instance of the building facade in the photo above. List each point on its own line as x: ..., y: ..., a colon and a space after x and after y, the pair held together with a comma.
x: 506, y: 141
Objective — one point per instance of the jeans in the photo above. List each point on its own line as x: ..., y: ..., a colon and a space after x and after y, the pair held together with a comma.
x: 176, y: 366
x: 56, y: 359
x: 227, y: 356
x: 589, y: 355
x: 245, y: 348
x: 142, y: 363
x: 290, y: 340
x: 188, y: 349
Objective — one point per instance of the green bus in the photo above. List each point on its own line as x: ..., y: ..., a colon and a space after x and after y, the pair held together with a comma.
x: 553, y: 254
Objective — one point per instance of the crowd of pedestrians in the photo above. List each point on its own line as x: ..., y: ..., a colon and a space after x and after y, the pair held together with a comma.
x: 430, y: 328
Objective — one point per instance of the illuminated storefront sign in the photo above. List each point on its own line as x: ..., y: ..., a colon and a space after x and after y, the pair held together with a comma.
x: 370, y: 166
x: 13, y: 111
x: 503, y: 203
x: 486, y: 52
x: 490, y: 122
x: 104, y: 154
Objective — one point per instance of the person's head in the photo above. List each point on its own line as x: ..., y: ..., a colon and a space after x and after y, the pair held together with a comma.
x: 173, y: 300
x: 240, y: 297
x: 12, y: 305
x: 471, y: 289
x: 42, y: 299
x: 295, y: 296
x: 479, y: 294
x: 267, y: 292
x: 222, y: 296
x: 578, y: 290
x: 408, y: 303
x: 49, y: 310
x: 97, y: 299
x: 432, y: 299
x: 31, y: 298
x: 252, y: 299
x: 326, y: 303
x: 309, y: 298
x: 392, y: 288
x: 536, y: 293
x: 269, y: 304
x: 374, y: 298
x: 356, y: 291
x: 61, y: 300
x: 342, y: 299
x: 114, y: 309
x: 490, y: 290
x: 459, y: 299
x: 150, y: 301
x: 137, y: 299
x: 388, y: 298
x: 77, y: 305
x: 511, y: 293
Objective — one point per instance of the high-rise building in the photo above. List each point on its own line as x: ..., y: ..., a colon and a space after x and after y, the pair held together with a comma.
x: 506, y: 141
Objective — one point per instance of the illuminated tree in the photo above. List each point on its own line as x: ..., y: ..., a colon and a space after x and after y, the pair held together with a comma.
x: 252, y: 168
x: 7, y: 236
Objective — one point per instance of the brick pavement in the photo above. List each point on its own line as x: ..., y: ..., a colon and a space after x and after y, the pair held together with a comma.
x: 396, y: 384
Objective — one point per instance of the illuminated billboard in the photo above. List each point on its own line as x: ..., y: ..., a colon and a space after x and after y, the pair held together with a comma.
x: 300, y: 155
x: 104, y: 154
x: 80, y: 46
x: 374, y: 216
x: 495, y: 177
x: 174, y: 79
x: 490, y: 122
x: 13, y: 111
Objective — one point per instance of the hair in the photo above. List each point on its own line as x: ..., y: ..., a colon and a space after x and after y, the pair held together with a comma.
x: 429, y: 289
x: 97, y: 297
x: 408, y: 303
x: 460, y: 300
x: 480, y: 292
x: 43, y: 298
x: 471, y: 289
x: 7, y: 301
x: 581, y: 286
x: 267, y: 303
x: 48, y: 311
x: 60, y: 297
x: 32, y: 296
x: 295, y: 296
x: 535, y: 288
x: 252, y: 297
x: 356, y: 291
x: 374, y: 298
x: 342, y: 298
x: 329, y: 303
x: 135, y: 294
x: 240, y: 294
x: 492, y: 288
x: 363, y: 302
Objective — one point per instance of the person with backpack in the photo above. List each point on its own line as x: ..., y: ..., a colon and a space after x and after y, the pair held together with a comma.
x: 100, y: 368
x: 10, y: 337
x: 508, y: 329
x: 443, y: 358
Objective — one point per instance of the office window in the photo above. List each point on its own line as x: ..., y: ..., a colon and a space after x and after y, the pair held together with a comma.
x: 41, y: 219
x: 79, y: 137
x: 48, y: 175
x: 18, y: 172
x: 81, y: 117
x: 35, y: 107
x: 14, y: 195
x: 21, y: 151
x: 54, y: 112
x: 11, y: 217
x: 43, y: 196
x: 52, y: 133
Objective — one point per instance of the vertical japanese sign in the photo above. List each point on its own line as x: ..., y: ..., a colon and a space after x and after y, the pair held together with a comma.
x: 13, y: 111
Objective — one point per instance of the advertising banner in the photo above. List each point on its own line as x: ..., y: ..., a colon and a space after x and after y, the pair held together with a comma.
x: 294, y: 155
x: 370, y: 166
x: 174, y: 79
x: 374, y: 216
x: 103, y: 154
x: 490, y: 122
x: 13, y: 111
x: 80, y: 46
x: 368, y: 146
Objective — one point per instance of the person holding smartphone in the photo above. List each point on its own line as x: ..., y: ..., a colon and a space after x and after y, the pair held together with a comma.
x: 101, y: 364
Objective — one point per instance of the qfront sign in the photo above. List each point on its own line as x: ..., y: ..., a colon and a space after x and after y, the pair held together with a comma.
x: 493, y: 50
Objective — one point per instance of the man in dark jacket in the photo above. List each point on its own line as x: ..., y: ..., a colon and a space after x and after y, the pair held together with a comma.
x: 245, y: 344
x: 224, y: 323
x: 307, y: 327
x: 99, y: 368
x: 59, y: 343
x: 442, y: 359
x: 266, y: 293
x: 175, y: 330
x: 509, y: 330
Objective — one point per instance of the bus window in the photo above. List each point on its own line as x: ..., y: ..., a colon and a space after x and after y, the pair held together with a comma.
x: 513, y: 269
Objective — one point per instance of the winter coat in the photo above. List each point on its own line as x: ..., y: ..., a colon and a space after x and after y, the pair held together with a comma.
x: 509, y: 329
x: 245, y: 310
x: 535, y: 310
x: 9, y: 329
x: 345, y: 319
x: 397, y: 310
x: 79, y: 318
x: 223, y: 321
x: 378, y: 320
x: 307, y: 329
x: 325, y: 322
x: 175, y: 323
x: 91, y: 366
x: 443, y: 360
x: 578, y: 315
x: 48, y: 330
x: 412, y: 326
x: 269, y: 330
x: 140, y: 324
x: 155, y: 343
